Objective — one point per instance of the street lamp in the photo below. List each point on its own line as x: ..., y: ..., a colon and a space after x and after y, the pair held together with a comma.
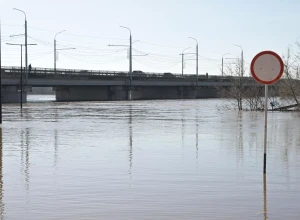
x: 182, y: 55
x: 242, y: 59
x: 55, y: 49
x: 223, y: 62
x: 26, y: 56
x: 130, y: 54
x: 196, y: 58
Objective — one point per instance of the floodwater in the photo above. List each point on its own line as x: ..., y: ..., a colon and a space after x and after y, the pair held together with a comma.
x: 179, y: 159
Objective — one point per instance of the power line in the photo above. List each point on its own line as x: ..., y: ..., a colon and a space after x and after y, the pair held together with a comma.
x: 158, y: 45
x: 77, y: 35
x: 12, y: 25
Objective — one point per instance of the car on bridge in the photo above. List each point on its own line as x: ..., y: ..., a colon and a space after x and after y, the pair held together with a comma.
x: 137, y: 72
x: 169, y: 75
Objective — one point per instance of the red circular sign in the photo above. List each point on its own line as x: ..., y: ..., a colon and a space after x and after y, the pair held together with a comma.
x: 267, y: 67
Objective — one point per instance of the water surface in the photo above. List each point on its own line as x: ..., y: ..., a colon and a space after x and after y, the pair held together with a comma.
x: 179, y: 159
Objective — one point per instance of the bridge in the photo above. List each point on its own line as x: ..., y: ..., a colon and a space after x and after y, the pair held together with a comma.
x: 84, y: 85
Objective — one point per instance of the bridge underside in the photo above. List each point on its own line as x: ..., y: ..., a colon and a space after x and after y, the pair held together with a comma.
x: 12, y: 94
x: 113, y: 93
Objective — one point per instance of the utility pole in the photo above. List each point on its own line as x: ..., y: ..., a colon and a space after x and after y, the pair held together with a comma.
x: 130, y: 58
x: 182, y: 64
x: 223, y: 62
x: 21, y: 80
x: 55, y: 50
x: 182, y: 60
x: 54, y: 55
x: 130, y: 54
x: 242, y: 60
x: 26, y: 54
x: 222, y: 66
x: 197, y: 62
x: 196, y: 59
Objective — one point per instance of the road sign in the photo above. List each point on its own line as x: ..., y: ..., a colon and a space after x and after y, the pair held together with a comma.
x: 267, y: 67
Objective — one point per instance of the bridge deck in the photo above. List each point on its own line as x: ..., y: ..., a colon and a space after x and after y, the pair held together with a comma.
x: 68, y: 77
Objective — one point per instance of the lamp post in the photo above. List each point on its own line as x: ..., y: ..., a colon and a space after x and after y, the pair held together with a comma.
x: 55, y: 49
x: 242, y: 60
x: 130, y: 54
x: 196, y: 59
x: 182, y: 60
x: 26, y: 54
x: 223, y: 62
x: 21, y: 76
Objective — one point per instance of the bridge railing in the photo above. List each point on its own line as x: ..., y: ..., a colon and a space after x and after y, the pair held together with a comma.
x: 15, y: 72
x: 81, y: 72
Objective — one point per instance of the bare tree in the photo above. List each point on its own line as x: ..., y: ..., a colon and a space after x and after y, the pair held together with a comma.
x: 253, y: 97
x: 235, y: 92
x: 289, y: 85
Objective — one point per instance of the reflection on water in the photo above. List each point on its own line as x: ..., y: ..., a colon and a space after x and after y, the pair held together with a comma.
x: 265, y: 196
x: 179, y: 159
x: 2, y: 207
x: 197, y: 130
x: 130, y: 139
x: 240, y: 138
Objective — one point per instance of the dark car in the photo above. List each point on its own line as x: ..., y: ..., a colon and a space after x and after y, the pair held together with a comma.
x: 137, y: 72
x: 169, y: 75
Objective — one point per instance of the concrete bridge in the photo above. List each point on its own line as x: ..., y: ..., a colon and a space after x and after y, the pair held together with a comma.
x: 83, y: 85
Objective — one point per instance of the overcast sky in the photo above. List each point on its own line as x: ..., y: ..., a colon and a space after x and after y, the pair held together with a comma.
x: 161, y: 26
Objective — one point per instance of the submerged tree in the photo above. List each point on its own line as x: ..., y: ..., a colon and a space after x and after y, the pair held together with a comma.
x: 247, y: 94
x: 290, y: 82
x: 235, y: 92
x: 244, y: 93
x: 289, y: 86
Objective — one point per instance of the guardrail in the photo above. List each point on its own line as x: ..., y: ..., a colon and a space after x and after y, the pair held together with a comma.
x: 15, y: 71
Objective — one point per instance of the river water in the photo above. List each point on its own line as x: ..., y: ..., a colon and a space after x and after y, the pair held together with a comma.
x: 179, y: 159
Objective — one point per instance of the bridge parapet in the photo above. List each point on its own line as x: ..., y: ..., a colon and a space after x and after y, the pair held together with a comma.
x: 42, y: 72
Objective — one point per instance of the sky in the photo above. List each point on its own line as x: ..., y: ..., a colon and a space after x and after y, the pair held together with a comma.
x: 161, y: 29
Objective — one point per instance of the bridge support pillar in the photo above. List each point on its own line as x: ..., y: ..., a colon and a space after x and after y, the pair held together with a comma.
x: 187, y: 92
x: 91, y: 93
x: 129, y: 95
x: 82, y: 93
x: 116, y: 93
x: 11, y: 94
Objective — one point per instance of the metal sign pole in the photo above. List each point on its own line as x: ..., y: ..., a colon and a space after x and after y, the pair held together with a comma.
x: 266, y: 68
x: 266, y: 128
